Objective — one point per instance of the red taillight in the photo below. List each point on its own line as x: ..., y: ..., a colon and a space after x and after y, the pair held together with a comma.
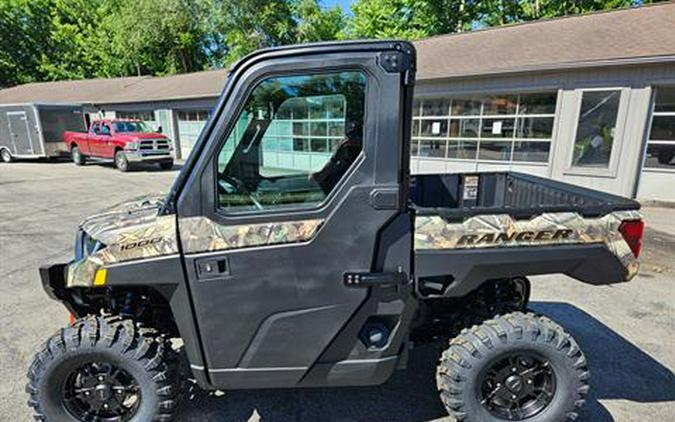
x: 71, y: 319
x: 631, y: 230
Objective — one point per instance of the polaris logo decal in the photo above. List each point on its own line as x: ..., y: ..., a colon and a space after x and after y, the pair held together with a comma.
x: 515, y: 237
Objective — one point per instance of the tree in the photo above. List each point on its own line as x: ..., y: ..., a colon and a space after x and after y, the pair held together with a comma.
x: 316, y: 24
x: 151, y: 37
x: 24, y: 30
x: 410, y: 19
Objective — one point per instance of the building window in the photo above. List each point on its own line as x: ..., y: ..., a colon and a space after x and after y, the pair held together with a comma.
x: 146, y: 116
x: 193, y: 115
x: 661, y: 142
x: 503, y: 128
x: 596, y: 128
x: 309, y: 124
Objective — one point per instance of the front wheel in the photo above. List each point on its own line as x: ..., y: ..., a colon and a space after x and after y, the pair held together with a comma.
x: 100, y: 369
x: 517, y: 366
x: 166, y: 165
x: 121, y: 161
x: 5, y: 155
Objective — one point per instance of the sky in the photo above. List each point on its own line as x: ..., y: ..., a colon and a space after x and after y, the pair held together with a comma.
x: 345, y: 4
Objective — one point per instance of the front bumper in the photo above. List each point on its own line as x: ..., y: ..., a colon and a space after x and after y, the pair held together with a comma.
x: 148, y: 156
x: 53, y: 278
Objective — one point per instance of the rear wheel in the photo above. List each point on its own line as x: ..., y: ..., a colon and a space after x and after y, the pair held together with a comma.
x: 517, y: 366
x: 121, y: 161
x: 103, y: 369
x: 6, y: 156
x: 77, y: 156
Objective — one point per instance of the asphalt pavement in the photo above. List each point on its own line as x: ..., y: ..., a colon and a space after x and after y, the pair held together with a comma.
x: 626, y: 330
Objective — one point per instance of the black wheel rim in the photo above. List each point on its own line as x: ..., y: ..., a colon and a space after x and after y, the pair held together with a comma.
x: 517, y: 386
x: 102, y: 392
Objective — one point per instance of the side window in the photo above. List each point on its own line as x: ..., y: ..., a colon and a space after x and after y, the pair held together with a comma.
x: 294, y: 140
x: 96, y: 128
x: 105, y: 129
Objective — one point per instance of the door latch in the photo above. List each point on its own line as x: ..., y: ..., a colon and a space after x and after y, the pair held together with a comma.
x: 212, y: 268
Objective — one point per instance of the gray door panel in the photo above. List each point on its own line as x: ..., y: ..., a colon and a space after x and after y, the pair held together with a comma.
x: 20, y: 133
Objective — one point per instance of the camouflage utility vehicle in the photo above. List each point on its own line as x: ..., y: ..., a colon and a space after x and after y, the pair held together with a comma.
x: 296, y: 250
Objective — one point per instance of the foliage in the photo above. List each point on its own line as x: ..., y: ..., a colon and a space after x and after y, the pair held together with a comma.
x: 72, y: 39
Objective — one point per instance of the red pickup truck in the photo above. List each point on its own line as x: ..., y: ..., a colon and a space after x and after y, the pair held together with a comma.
x: 124, y: 140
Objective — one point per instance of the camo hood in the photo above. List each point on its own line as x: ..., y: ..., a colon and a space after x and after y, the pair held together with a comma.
x: 106, y: 225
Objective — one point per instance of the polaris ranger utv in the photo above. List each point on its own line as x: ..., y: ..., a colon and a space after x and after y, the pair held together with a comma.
x: 296, y: 250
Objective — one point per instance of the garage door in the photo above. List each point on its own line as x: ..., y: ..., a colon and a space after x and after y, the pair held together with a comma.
x: 190, y: 125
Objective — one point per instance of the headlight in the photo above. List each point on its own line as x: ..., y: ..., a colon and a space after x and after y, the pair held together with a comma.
x: 131, y: 146
x: 85, y: 245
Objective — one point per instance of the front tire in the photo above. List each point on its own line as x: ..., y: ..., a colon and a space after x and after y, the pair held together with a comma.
x: 6, y: 156
x: 121, y: 161
x: 166, y: 165
x: 665, y: 157
x: 103, y: 368
x: 517, y: 366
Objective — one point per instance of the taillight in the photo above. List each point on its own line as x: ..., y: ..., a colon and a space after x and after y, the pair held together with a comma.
x: 631, y: 230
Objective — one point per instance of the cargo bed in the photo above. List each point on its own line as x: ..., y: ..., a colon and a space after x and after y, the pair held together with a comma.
x: 480, y: 226
x: 519, y: 195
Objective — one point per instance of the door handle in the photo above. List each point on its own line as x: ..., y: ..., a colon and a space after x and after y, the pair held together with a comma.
x: 210, y: 268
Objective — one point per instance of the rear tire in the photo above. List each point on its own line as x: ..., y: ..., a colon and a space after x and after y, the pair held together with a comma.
x: 77, y: 156
x: 516, y: 366
x: 6, y: 156
x: 106, y: 367
x: 166, y: 165
x: 121, y: 161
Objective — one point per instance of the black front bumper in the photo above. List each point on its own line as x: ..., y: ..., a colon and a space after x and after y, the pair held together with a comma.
x: 53, y: 277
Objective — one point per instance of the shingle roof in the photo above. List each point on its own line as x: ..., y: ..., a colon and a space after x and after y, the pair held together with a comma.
x: 119, y: 90
x: 587, y: 40
x: 614, y: 37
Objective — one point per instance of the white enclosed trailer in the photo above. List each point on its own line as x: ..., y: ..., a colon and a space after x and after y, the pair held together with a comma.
x: 35, y: 130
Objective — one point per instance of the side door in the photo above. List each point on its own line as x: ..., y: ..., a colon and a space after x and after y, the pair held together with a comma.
x: 105, y: 144
x: 20, y: 132
x: 301, y: 168
x: 89, y: 140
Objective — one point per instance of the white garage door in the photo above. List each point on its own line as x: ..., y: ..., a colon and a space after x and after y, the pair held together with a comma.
x: 190, y: 125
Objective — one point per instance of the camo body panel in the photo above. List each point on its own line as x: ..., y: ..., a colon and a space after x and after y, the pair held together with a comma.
x: 134, y: 230
x: 435, y: 233
x: 200, y: 234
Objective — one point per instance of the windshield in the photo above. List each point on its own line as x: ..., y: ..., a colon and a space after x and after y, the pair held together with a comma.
x: 121, y: 127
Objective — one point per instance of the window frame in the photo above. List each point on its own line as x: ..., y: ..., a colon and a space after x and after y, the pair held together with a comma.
x: 611, y: 171
x: 224, y: 214
x: 650, y: 122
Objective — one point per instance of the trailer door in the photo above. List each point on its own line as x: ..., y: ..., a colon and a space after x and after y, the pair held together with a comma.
x: 20, y: 133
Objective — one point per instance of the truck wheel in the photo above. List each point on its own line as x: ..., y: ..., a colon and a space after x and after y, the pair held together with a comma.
x: 518, y: 366
x: 6, y: 156
x: 665, y: 157
x: 102, y: 368
x: 121, y: 161
x: 77, y: 156
x: 166, y: 165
